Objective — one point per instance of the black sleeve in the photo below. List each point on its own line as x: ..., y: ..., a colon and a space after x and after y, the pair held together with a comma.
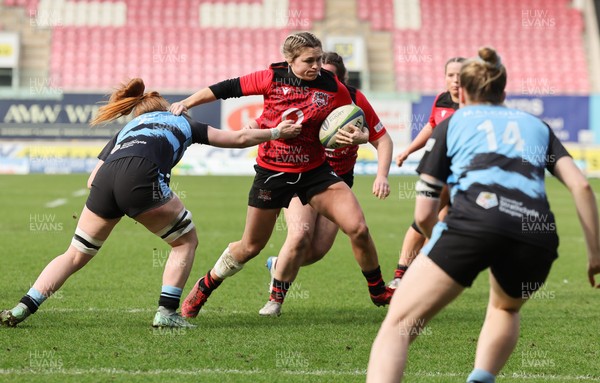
x: 199, y: 131
x: 556, y: 151
x: 435, y: 161
x: 227, y: 89
x: 108, y: 148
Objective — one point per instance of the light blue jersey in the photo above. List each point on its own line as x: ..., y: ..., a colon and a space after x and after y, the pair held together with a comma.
x: 160, y: 137
x: 493, y: 159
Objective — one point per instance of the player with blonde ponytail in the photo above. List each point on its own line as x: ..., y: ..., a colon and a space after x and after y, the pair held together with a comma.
x: 489, y: 156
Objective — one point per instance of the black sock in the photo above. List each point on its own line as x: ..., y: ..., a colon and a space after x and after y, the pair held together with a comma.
x: 279, y: 290
x: 375, y: 281
x: 169, y: 297
x: 30, y: 303
x: 207, y: 284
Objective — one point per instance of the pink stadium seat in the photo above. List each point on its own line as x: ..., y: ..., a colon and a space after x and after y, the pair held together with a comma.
x: 165, y: 43
x: 553, y: 52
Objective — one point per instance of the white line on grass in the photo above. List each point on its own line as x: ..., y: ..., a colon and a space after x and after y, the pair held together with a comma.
x: 95, y: 309
x: 128, y: 310
x: 56, y: 202
x: 226, y: 371
x: 80, y: 192
x: 62, y: 201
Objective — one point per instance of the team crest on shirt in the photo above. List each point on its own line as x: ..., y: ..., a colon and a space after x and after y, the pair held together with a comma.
x: 263, y: 194
x: 320, y: 99
x: 487, y: 200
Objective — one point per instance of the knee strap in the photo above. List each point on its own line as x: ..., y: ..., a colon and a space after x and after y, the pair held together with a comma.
x: 85, y: 243
x: 414, y: 226
x: 181, y: 225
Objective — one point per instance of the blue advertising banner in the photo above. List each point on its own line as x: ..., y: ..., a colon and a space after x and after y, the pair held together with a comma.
x: 69, y: 116
x: 566, y: 115
x: 420, y: 115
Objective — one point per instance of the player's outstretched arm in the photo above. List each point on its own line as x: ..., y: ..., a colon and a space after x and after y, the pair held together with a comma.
x: 385, y: 147
x: 419, y: 141
x: 202, y: 96
x: 250, y: 137
x: 585, y: 203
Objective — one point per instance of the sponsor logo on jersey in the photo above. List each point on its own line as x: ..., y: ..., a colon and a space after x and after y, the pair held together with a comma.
x: 487, y: 200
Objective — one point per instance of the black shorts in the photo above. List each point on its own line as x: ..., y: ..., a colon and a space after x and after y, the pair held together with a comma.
x: 273, y: 190
x: 519, y: 267
x: 348, y: 178
x: 130, y: 185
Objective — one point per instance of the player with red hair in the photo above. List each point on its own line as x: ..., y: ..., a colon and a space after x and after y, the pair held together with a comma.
x: 132, y: 178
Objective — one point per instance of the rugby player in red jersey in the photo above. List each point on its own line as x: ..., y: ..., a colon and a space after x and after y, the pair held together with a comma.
x: 295, y: 89
x: 310, y: 235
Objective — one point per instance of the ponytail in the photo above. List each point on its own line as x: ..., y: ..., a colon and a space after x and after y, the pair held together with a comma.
x: 484, y: 78
x: 128, y: 98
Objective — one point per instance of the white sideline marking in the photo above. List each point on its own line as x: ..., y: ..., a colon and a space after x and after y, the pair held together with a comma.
x: 80, y: 192
x: 226, y: 371
x: 62, y: 201
x: 131, y: 310
x: 95, y: 309
x: 56, y: 202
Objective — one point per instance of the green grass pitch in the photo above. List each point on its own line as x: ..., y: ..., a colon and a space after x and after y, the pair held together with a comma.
x: 97, y: 327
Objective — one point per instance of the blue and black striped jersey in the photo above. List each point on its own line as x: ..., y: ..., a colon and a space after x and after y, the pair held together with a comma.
x: 160, y: 137
x: 493, y: 159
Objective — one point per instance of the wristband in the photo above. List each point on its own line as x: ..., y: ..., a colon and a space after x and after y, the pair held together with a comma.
x: 275, y: 133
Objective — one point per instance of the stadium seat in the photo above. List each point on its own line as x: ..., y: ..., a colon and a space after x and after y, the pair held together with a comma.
x: 502, y: 24
x: 179, y: 34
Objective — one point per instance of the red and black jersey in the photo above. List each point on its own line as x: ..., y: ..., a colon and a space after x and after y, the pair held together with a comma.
x: 288, y: 97
x: 342, y: 160
x: 443, y: 107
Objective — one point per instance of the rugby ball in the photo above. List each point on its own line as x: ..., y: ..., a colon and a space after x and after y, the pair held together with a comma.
x: 338, y: 119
